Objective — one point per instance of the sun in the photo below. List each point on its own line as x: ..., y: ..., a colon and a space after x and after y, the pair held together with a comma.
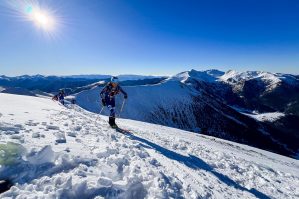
x: 46, y: 19
x: 43, y: 20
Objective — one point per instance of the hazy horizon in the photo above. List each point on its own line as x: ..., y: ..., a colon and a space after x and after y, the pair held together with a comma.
x: 99, y: 74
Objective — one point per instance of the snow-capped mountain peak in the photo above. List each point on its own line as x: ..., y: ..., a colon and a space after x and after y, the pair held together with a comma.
x: 207, y: 75
x: 270, y: 80
x: 233, y: 75
x: 182, y: 77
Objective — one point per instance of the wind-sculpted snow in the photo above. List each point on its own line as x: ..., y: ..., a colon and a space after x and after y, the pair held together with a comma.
x: 142, y: 161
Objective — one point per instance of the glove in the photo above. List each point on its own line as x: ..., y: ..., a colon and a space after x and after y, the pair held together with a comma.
x: 103, y: 102
x: 125, y: 96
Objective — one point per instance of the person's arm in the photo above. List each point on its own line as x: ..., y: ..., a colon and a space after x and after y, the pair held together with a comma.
x: 103, y: 91
x: 123, y: 92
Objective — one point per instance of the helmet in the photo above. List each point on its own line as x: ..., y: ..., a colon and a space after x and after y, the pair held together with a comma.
x: 114, y: 80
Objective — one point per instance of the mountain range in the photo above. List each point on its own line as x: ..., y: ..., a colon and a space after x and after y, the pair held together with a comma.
x: 256, y: 108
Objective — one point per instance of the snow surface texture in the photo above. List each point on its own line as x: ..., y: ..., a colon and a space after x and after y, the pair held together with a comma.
x: 67, y: 152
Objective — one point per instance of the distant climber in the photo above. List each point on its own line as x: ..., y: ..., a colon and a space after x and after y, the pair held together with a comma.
x: 108, y: 98
x: 59, y: 97
x: 73, y: 101
x: 55, y: 98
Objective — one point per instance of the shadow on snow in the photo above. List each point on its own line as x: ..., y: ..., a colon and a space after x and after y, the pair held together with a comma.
x: 194, y: 162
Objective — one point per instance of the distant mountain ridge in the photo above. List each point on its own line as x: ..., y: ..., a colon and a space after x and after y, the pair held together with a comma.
x: 122, y: 77
x: 207, y: 102
x: 52, y: 84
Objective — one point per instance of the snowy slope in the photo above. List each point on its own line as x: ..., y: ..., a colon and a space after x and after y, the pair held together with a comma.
x: 234, y: 76
x: 143, y: 100
x: 271, y: 117
x: 67, y: 152
x: 270, y: 80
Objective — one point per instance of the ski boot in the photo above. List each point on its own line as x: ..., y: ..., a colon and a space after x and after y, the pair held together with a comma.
x: 112, y: 123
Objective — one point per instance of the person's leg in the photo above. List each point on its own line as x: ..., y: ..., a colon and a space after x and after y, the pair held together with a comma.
x: 61, y: 101
x: 111, y: 105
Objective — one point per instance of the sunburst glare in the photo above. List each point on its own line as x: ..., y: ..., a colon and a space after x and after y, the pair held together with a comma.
x: 45, y: 19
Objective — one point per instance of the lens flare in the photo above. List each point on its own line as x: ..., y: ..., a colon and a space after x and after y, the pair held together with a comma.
x: 45, y: 19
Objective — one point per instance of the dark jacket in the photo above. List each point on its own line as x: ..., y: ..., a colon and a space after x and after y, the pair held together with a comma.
x: 111, y: 91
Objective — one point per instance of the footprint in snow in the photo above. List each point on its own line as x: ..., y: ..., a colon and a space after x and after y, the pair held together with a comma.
x: 52, y: 127
x: 31, y: 123
x: 60, y: 138
x: 77, y: 128
x: 35, y: 135
x: 10, y: 128
x: 72, y: 134
x: 18, y: 137
x: 78, y: 140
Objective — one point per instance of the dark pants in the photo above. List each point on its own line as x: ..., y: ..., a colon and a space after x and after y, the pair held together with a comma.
x: 61, y: 100
x: 110, y: 103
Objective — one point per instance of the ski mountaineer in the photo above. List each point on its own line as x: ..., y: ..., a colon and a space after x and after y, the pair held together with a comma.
x: 108, y: 98
x: 61, y: 96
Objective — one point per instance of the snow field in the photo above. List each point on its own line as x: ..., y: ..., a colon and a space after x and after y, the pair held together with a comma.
x: 67, y: 152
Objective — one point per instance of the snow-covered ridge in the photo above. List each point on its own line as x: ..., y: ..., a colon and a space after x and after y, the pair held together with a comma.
x: 267, y: 79
x: 233, y: 77
x: 272, y: 79
x: 136, y: 77
x: 67, y: 152
x: 207, y: 75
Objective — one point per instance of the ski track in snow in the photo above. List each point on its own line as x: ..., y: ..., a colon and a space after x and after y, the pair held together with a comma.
x: 67, y: 152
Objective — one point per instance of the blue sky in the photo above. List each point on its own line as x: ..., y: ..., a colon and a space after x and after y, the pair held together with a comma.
x: 157, y: 37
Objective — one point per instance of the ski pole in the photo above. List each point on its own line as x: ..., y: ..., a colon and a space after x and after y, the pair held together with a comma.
x: 99, y: 114
x: 101, y: 110
x: 122, y: 106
